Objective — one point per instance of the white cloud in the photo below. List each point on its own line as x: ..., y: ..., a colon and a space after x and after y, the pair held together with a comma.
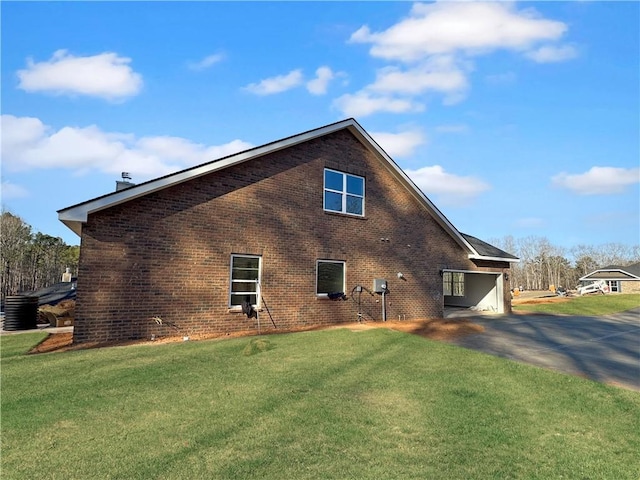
x: 106, y: 75
x: 319, y: 85
x: 449, y: 188
x: 363, y: 103
x: 394, y: 88
x: 28, y: 144
x: 440, y: 73
x: 437, y: 41
x: 598, y: 180
x: 552, y: 53
x: 278, y: 84
x: 399, y: 144
x: 206, y: 62
x: 451, y: 27
x: 11, y: 191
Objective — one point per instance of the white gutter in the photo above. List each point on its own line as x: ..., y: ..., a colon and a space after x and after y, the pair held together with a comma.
x: 493, y: 259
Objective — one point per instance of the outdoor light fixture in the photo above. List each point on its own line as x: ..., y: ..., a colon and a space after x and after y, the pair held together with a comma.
x: 506, y: 277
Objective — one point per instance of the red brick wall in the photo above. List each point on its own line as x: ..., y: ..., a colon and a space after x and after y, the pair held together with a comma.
x: 167, y: 254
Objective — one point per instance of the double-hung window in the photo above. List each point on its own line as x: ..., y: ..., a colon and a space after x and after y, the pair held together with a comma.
x: 453, y: 284
x: 245, y: 280
x: 343, y: 193
x: 330, y: 277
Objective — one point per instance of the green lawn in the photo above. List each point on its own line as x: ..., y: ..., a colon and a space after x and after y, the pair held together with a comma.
x: 586, y: 305
x: 333, y: 404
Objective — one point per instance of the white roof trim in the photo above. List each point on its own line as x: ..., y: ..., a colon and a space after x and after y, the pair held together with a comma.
x: 413, y: 188
x: 479, y: 272
x: 74, y: 216
x: 495, y: 259
x: 612, y: 270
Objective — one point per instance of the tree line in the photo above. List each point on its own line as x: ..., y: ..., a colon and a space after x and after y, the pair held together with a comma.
x: 30, y: 261
x: 543, y: 264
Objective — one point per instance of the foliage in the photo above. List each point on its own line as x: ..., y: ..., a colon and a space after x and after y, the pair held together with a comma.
x: 329, y: 404
x: 587, y: 305
x: 30, y: 261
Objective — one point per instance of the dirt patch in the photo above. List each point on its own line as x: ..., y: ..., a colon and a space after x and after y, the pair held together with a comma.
x: 535, y: 301
x: 55, y: 342
x: 436, y: 329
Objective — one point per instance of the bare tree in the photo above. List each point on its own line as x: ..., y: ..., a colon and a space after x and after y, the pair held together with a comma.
x: 31, y: 261
x: 15, y: 237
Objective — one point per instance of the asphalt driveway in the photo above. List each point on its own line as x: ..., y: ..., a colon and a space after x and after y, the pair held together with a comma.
x: 604, y: 349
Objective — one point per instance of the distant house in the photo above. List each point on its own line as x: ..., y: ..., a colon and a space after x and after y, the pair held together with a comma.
x: 618, y: 279
x: 319, y: 228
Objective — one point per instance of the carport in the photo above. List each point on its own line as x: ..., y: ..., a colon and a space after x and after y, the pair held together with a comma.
x: 473, y: 290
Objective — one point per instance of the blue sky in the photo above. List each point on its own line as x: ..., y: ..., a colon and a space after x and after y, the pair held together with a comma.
x: 517, y: 119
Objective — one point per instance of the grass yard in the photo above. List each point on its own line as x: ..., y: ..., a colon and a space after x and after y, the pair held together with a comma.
x: 590, y: 305
x: 332, y: 404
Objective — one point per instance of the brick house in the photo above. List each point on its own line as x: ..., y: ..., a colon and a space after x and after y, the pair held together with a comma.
x: 310, y: 228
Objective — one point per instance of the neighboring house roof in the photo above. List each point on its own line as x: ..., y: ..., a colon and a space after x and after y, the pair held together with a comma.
x: 614, y: 272
x: 75, y: 216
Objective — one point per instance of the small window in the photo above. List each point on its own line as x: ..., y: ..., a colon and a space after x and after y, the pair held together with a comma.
x: 329, y: 277
x: 343, y: 193
x: 453, y: 284
x: 245, y: 280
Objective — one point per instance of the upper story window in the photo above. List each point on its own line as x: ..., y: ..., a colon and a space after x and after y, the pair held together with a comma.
x: 343, y: 193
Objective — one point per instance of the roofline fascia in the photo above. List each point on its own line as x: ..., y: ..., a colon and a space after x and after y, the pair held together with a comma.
x: 76, y: 215
x: 494, y: 259
x: 79, y: 213
x: 413, y: 188
x: 605, y: 270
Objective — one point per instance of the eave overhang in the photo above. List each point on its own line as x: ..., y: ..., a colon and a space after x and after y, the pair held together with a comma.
x: 493, y: 259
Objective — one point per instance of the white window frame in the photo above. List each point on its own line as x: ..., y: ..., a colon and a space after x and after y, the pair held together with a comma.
x: 449, y: 279
x: 231, y: 281
x: 614, y: 286
x: 344, y: 275
x: 343, y: 192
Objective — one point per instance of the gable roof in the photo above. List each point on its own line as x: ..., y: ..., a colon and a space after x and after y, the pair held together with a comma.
x: 614, y: 272
x: 76, y: 215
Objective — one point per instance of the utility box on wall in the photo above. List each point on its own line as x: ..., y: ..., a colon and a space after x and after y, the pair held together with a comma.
x: 379, y: 285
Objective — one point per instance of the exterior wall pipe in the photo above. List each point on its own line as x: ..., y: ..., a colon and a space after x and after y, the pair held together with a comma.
x: 384, y: 306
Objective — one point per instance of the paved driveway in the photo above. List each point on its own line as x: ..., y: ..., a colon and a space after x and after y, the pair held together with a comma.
x: 605, y: 349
